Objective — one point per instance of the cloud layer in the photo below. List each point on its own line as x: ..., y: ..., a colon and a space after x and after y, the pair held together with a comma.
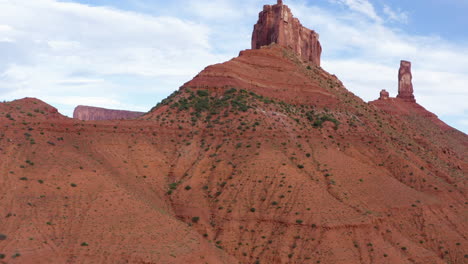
x: 68, y: 53
x: 71, y: 53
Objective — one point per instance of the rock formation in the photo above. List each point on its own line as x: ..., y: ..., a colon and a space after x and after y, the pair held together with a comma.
x: 276, y: 24
x: 405, y: 85
x: 384, y: 95
x: 96, y: 113
x: 253, y: 161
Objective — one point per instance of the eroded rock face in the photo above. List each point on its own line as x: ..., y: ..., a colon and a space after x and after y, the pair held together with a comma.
x: 405, y: 85
x: 276, y: 24
x: 96, y: 113
x: 384, y: 95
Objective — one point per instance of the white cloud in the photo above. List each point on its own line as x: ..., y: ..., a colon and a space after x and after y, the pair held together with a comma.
x: 463, y: 122
x: 88, y: 47
x: 397, y: 16
x: 361, y: 6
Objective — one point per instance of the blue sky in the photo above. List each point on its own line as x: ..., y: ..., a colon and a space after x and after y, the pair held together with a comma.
x: 130, y: 54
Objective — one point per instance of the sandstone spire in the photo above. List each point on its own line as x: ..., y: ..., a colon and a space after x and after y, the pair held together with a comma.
x: 405, y: 85
x: 276, y: 24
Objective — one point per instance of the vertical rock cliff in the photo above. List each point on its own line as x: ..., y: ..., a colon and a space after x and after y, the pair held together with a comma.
x: 276, y: 24
x: 405, y: 85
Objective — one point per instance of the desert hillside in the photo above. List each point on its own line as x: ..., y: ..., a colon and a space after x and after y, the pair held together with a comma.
x: 266, y: 158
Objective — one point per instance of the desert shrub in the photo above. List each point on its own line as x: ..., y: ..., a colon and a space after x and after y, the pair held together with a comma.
x: 173, y: 186
x: 202, y: 104
x: 230, y: 91
x: 202, y: 93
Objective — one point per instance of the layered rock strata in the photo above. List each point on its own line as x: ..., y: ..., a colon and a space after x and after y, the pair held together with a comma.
x: 276, y: 24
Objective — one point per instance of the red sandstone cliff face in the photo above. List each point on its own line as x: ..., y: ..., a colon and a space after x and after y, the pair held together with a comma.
x: 96, y: 113
x: 276, y: 24
x: 405, y: 85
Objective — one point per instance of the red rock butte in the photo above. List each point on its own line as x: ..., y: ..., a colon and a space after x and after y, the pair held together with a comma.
x: 405, y: 85
x: 276, y: 24
x: 87, y: 113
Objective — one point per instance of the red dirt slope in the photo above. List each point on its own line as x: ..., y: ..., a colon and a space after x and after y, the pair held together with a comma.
x: 257, y: 160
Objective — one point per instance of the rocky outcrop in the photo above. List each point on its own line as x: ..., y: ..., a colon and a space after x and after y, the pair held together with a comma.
x: 96, y: 113
x: 405, y: 85
x: 276, y: 24
x: 384, y: 95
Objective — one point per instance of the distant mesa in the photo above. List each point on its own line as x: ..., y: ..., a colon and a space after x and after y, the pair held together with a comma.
x: 405, y: 85
x: 276, y: 24
x: 88, y: 113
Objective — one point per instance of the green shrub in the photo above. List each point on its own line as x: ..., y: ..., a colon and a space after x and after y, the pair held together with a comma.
x: 173, y: 186
x: 202, y: 104
x: 202, y: 93
x: 230, y: 91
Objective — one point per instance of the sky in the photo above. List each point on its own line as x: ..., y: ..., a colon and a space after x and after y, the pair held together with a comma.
x: 131, y: 54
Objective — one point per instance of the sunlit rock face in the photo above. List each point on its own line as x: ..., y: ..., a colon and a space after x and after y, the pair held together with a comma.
x: 405, y: 85
x: 276, y: 24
